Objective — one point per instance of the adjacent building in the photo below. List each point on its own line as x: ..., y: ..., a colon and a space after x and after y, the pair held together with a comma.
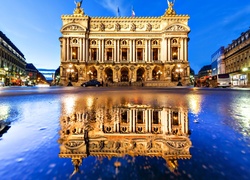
x: 12, y: 62
x: 122, y: 50
x: 217, y: 62
x: 237, y: 60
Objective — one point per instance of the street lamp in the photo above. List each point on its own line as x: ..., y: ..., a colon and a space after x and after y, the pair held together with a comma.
x: 70, y: 70
x: 90, y: 74
x: 159, y: 73
x: 179, y: 70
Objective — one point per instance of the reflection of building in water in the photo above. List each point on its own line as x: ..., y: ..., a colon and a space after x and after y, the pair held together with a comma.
x: 135, y: 130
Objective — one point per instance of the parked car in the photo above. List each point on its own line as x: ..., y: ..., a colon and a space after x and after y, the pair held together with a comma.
x: 92, y: 82
x: 2, y: 84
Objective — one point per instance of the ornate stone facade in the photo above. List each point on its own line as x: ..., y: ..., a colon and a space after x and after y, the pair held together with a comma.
x: 125, y: 49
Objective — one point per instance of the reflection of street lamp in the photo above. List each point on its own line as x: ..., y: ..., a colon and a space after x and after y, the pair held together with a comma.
x: 90, y: 74
x: 159, y: 73
x: 179, y: 70
x: 70, y: 70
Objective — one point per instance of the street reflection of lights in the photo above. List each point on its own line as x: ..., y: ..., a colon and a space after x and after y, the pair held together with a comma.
x: 90, y: 101
x: 4, y: 113
x: 195, y: 104
x: 69, y: 104
x: 241, y: 114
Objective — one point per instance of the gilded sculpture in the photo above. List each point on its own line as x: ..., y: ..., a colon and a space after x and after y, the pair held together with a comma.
x: 78, y: 9
x: 170, y: 10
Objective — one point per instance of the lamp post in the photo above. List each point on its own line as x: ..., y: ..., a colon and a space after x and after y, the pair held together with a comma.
x: 179, y: 70
x: 90, y: 74
x: 70, y: 70
x: 159, y: 73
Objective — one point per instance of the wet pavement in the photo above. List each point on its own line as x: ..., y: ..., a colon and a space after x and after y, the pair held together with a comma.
x: 45, y: 134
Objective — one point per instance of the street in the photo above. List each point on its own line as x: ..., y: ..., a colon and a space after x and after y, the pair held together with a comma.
x: 218, y: 128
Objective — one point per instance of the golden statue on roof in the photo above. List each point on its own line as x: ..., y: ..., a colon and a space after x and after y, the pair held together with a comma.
x: 78, y: 10
x: 170, y: 10
x: 78, y: 4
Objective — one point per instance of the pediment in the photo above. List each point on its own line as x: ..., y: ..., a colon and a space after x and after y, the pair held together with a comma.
x: 177, y: 27
x: 73, y: 27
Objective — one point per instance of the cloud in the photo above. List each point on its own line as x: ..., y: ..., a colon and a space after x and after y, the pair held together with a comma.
x: 238, y: 16
x: 110, y: 5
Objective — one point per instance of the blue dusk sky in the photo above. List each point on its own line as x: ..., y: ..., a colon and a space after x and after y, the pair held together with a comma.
x: 34, y: 26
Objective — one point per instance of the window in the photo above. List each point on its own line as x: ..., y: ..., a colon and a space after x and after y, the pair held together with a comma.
x: 174, y: 53
x: 93, y: 42
x: 124, y: 42
x: 124, y: 116
x: 75, y: 41
x: 155, y: 54
x: 139, y: 42
x: 155, y: 117
x: 175, y: 118
x: 124, y: 54
x: 139, y: 54
x: 74, y: 52
x: 93, y: 54
x: 140, y: 117
x: 109, y: 42
x: 109, y: 54
x: 154, y: 42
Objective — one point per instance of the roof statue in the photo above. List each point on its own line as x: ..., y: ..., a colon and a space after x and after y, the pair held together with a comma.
x: 78, y: 10
x: 78, y: 4
x: 170, y: 10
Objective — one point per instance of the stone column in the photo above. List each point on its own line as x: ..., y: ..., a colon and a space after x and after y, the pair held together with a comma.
x: 83, y: 50
x: 87, y: 50
x: 185, y: 50
x: 131, y: 120
x: 149, y: 51
x: 114, y: 50
x: 169, y: 49
x: 134, y: 51
x: 118, y: 50
x: 103, y: 52
x: 131, y: 50
x: 150, y: 120
x: 146, y: 119
x: 67, y: 48
x: 146, y: 50
x: 169, y: 120
x: 100, y: 51
x: 134, y: 119
x: 80, y: 50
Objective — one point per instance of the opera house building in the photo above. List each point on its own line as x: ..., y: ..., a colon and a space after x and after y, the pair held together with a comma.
x: 125, y: 50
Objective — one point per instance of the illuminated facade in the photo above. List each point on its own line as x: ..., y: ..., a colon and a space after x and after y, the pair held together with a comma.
x: 122, y: 50
x: 237, y: 60
x: 133, y: 130
x: 12, y: 62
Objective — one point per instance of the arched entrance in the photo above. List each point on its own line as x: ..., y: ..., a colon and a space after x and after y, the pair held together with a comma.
x: 72, y: 73
x: 124, y: 74
x: 109, y: 75
x: 140, y: 74
x: 156, y: 73
x: 92, y: 73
